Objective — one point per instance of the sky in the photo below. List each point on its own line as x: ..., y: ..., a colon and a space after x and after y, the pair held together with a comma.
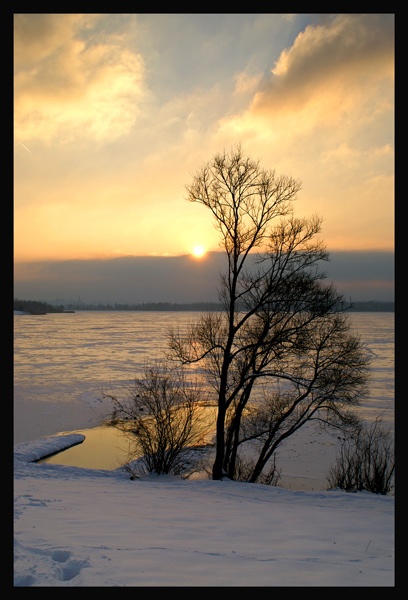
x: 114, y: 113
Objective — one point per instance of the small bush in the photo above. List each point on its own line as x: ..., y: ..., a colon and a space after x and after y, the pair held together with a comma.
x: 366, y: 462
x: 162, y: 413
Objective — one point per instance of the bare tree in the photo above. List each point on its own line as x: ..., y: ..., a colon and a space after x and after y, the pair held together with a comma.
x: 160, y: 412
x: 279, y: 323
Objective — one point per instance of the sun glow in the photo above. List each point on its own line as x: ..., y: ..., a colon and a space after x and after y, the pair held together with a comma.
x: 198, y: 251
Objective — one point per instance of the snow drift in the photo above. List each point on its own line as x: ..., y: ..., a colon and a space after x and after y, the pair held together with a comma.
x: 88, y: 527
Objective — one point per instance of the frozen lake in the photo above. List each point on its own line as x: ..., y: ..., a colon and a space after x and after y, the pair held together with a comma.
x: 61, y: 362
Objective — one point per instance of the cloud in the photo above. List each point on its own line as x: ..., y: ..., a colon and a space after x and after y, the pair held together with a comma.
x: 38, y: 36
x: 73, y: 81
x: 335, y: 71
x: 345, y: 43
x: 128, y: 279
x: 363, y: 275
x: 325, y: 114
x: 131, y: 279
x: 326, y: 60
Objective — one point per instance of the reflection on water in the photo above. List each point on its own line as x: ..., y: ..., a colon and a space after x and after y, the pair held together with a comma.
x: 103, y: 448
x: 108, y: 448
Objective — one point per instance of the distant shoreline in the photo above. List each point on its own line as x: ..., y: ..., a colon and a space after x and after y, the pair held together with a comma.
x: 25, y: 307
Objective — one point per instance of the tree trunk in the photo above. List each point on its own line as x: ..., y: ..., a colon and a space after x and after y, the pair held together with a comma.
x: 218, y: 470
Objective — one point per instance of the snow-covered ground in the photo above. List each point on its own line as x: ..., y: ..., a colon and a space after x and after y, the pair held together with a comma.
x: 91, y: 527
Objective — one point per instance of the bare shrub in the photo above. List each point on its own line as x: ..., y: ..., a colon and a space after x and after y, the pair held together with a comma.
x: 164, y: 416
x: 366, y: 461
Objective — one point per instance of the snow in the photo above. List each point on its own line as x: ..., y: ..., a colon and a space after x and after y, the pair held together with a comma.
x: 32, y: 451
x: 77, y: 527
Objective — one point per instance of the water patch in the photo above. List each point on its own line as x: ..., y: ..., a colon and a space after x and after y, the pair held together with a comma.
x: 109, y: 448
x: 103, y: 448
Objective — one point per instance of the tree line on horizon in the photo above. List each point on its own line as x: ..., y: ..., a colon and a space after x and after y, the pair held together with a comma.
x: 36, y: 307
x: 359, y: 306
x: 41, y: 307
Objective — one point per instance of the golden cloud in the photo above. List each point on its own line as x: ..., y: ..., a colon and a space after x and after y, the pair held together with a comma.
x: 348, y: 42
x: 331, y: 72
x: 67, y: 85
x: 326, y: 115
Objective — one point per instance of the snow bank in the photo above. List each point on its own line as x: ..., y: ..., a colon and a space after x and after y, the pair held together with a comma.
x: 31, y: 451
x: 83, y: 527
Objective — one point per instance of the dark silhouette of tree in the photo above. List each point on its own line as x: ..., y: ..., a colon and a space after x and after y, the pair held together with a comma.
x: 280, y: 352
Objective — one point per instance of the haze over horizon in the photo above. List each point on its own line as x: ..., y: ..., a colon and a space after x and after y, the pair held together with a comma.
x: 115, y: 112
x: 183, y: 279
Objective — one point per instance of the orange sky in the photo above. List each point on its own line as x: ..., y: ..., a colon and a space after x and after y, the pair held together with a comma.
x: 113, y: 114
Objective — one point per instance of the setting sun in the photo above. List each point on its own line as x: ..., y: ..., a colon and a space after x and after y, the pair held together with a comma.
x: 198, y: 251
